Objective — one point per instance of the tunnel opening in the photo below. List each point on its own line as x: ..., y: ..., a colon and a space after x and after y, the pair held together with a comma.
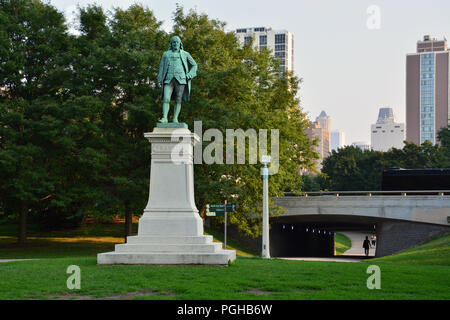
x: 293, y: 239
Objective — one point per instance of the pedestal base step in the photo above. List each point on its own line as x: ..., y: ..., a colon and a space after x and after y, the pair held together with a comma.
x: 204, y: 239
x: 167, y: 248
x: 162, y: 258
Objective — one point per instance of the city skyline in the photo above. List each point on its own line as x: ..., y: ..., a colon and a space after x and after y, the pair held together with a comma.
x: 348, y: 66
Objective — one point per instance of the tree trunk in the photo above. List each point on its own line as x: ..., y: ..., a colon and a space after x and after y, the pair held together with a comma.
x: 23, y: 223
x: 128, y: 220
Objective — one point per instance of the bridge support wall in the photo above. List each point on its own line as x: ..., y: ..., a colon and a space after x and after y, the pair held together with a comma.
x: 396, y: 236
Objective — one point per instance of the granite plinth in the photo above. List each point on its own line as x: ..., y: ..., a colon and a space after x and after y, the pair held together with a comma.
x: 170, y: 230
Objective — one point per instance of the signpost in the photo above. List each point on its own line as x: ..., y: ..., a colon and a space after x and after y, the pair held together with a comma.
x: 216, y: 210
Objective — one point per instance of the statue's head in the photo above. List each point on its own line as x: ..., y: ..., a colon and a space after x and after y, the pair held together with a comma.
x: 175, y: 43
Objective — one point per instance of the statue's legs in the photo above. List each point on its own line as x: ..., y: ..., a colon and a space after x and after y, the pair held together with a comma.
x: 168, y: 90
x: 179, y: 89
x: 167, y: 93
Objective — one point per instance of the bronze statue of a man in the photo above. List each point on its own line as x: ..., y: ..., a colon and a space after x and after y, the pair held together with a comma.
x: 176, y: 70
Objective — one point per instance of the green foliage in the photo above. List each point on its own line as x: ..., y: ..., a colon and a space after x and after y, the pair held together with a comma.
x: 444, y: 140
x: 75, y: 109
x: 312, y: 183
x: 350, y: 168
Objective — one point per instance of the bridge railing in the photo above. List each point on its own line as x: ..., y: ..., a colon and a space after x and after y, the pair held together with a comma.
x: 404, y: 193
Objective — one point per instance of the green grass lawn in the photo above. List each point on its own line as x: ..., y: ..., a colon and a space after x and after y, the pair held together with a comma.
x: 84, y: 241
x: 342, y: 243
x: 434, y: 252
x: 246, y: 278
x: 420, y: 273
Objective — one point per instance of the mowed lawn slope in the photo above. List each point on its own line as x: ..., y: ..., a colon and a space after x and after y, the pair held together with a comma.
x: 342, y: 243
x: 434, y: 252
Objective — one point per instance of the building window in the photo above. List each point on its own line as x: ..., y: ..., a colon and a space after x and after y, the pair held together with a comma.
x: 427, y: 75
x: 280, y: 47
x: 241, y: 31
x: 280, y: 38
x: 247, y: 40
x: 263, y: 40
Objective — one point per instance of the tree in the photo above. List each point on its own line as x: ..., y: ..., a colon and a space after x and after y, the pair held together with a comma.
x: 444, y: 140
x: 76, y: 108
x: 239, y: 87
x: 350, y: 168
x: 115, y: 61
x: 32, y: 39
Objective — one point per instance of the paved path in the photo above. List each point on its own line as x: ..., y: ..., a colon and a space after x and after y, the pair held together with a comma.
x: 357, y: 239
x: 12, y: 260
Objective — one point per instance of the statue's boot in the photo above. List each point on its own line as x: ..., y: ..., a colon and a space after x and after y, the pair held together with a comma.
x: 163, y: 120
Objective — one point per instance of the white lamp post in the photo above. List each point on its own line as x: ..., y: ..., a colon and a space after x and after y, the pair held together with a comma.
x: 265, y: 225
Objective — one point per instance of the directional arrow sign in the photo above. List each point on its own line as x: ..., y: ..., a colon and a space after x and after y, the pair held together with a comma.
x: 230, y: 207
x: 219, y: 209
x: 215, y: 213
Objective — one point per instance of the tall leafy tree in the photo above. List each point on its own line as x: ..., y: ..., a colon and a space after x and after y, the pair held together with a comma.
x: 240, y: 87
x: 350, y: 168
x: 32, y: 40
x: 115, y: 61
x: 444, y: 140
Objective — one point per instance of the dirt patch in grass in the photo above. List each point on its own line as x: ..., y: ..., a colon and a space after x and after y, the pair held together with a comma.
x: 126, y: 296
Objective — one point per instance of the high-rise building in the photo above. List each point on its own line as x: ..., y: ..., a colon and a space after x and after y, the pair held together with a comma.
x: 337, y: 139
x: 325, y: 123
x: 325, y: 120
x: 363, y: 145
x: 280, y: 42
x: 315, y: 131
x: 387, y: 133
x: 427, y: 90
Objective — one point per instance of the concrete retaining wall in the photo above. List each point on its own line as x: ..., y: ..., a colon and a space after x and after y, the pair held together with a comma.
x: 394, y: 236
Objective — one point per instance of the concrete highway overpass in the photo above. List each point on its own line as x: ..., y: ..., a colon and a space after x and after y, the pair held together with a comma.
x: 400, y: 219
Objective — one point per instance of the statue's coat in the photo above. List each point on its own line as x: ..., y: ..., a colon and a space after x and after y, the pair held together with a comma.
x: 187, y: 61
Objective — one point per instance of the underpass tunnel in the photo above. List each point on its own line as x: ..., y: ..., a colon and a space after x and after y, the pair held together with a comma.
x: 299, y: 240
x: 310, y: 239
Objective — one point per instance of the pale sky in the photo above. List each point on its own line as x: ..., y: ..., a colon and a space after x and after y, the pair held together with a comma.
x: 348, y: 69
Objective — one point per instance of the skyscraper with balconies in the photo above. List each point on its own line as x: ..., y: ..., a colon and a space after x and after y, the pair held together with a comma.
x: 280, y: 42
x: 427, y: 90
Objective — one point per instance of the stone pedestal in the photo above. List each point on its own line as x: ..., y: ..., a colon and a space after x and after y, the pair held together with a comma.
x: 170, y: 230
